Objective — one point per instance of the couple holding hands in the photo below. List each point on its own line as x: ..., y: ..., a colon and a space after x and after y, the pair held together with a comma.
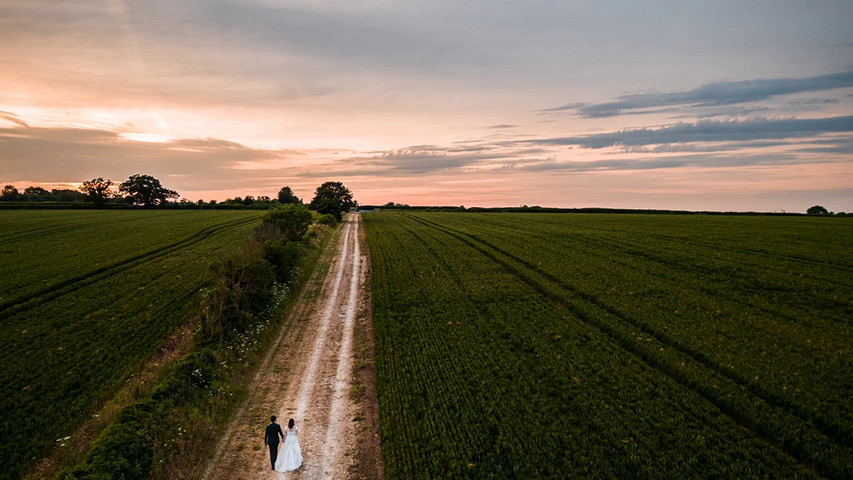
x: 290, y: 457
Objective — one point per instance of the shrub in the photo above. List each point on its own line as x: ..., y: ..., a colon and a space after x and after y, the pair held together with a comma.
x: 283, y: 257
x: 241, y: 288
x: 126, y: 449
x: 327, y: 219
x: 292, y: 220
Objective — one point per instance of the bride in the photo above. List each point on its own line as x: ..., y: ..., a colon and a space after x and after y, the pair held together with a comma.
x: 290, y: 457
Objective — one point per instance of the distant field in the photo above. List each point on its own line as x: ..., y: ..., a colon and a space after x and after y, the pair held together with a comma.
x: 85, y: 297
x: 632, y: 346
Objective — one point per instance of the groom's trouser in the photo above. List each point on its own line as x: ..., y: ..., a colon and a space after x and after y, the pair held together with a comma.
x: 273, y: 453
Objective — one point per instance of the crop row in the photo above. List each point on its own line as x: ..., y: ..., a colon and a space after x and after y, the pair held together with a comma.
x: 55, y: 247
x: 116, y: 291
x: 781, y: 332
x: 484, y: 370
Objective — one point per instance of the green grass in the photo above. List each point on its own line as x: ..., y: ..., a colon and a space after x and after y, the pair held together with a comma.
x: 85, y: 298
x: 631, y: 346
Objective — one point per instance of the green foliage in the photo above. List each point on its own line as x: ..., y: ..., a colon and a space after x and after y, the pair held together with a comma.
x: 65, y: 195
x: 169, y: 433
x: 291, y: 220
x: 123, y: 451
x: 262, y: 202
x: 332, y: 198
x: 284, y: 257
x: 85, y: 297
x: 97, y: 190
x: 817, y: 210
x: 126, y: 448
x: 9, y: 194
x: 241, y: 288
x: 286, y: 196
x: 242, y: 284
x: 146, y: 190
x: 326, y: 219
x: 36, y: 193
x: 624, y: 346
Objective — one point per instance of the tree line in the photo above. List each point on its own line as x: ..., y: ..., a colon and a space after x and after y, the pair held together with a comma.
x: 820, y: 210
x: 39, y: 194
x: 148, y: 192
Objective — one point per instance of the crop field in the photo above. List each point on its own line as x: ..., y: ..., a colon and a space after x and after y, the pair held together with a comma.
x: 85, y: 298
x: 513, y: 345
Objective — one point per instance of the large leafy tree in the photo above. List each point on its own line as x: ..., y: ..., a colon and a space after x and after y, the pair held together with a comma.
x: 36, y: 193
x: 817, y: 210
x: 333, y: 198
x: 286, y: 196
x: 146, y: 190
x: 10, y: 193
x: 97, y: 190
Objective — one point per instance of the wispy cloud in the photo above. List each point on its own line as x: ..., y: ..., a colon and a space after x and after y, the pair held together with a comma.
x: 419, y: 161
x: 710, y: 95
x: 708, y: 131
x: 701, y: 144
x: 834, y: 146
x: 679, y: 161
x: 13, y: 118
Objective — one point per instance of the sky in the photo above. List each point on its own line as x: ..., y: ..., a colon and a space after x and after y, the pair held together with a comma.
x: 720, y: 105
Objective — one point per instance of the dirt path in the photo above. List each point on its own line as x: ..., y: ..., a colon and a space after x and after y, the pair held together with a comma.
x: 308, y: 376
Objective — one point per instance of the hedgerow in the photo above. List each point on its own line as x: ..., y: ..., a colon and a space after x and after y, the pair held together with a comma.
x: 169, y: 433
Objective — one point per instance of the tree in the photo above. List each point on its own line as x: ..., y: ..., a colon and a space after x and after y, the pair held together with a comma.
x: 36, y: 194
x: 333, y: 198
x: 286, y: 196
x: 146, y: 190
x: 817, y: 210
x: 292, y: 220
x: 65, y: 195
x: 10, y: 193
x: 97, y: 190
x: 280, y: 237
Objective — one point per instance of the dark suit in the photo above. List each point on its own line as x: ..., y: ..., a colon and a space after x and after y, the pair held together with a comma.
x: 271, y: 438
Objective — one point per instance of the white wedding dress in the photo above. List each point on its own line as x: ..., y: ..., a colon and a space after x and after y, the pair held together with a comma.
x: 290, y: 456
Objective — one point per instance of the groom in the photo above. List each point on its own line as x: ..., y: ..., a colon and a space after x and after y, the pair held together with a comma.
x: 271, y: 438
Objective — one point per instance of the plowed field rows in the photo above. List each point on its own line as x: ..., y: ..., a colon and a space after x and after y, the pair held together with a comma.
x: 85, y: 297
x: 631, y: 346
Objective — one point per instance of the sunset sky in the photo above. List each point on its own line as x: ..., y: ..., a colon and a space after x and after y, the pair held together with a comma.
x: 699, y: 105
